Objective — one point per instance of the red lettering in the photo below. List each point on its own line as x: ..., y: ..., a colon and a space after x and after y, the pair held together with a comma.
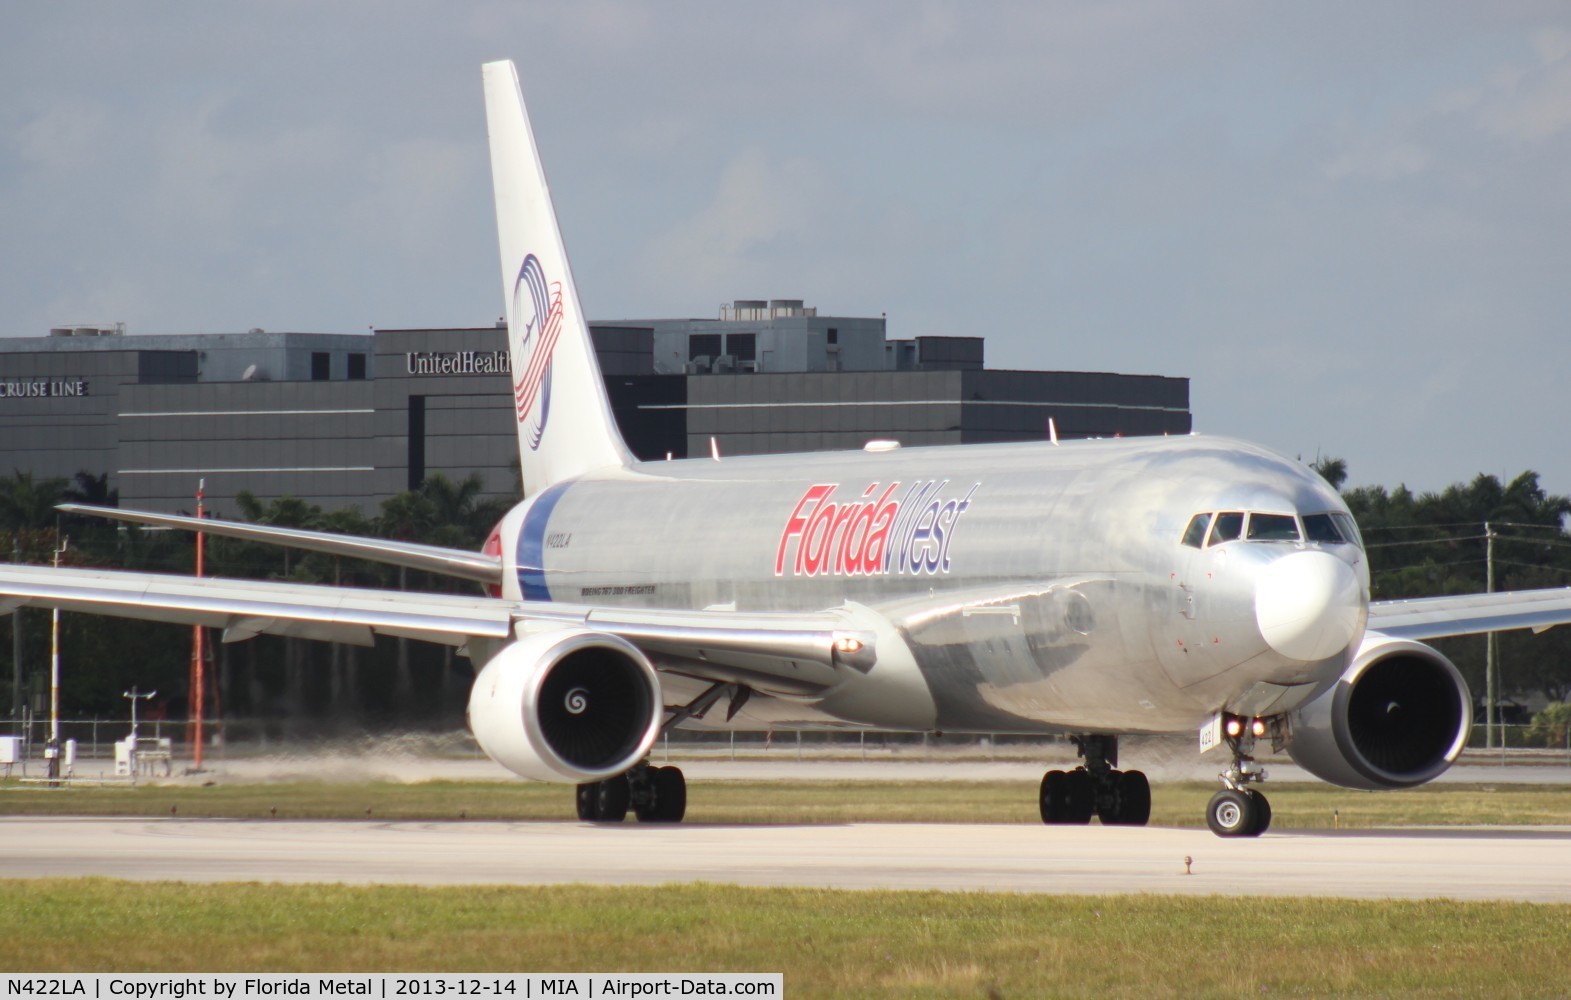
x: 815, y: 541
x: 796, y: 524
x: 860, y: 532
x: 843, y: 519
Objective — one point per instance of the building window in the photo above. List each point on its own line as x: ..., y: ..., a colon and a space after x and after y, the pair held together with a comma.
x: 416, y: 443
x: 703, y: 345
x: 742, y: 346
x: 834, y: 335
x: 321, y: 366
x: 357, y: 366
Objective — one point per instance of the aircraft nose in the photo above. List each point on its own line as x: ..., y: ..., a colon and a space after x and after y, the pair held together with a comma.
x: 1308, y: 605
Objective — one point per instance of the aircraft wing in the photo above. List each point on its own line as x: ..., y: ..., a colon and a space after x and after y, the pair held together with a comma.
x: 431, y: 558
x: 1469, y: 614
x: 788, y: 652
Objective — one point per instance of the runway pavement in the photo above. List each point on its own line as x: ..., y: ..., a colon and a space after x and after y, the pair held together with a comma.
x: 1506, y: 864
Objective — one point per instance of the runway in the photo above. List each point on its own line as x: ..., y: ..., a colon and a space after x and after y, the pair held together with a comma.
x: 1532, y: 865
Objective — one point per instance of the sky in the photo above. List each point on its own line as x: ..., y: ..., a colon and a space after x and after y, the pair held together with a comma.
x: 1348, y: 224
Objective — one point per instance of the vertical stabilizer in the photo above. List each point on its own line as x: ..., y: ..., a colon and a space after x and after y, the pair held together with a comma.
x: 564, y: 420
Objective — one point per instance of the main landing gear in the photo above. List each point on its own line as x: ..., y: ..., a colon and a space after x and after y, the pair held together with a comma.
x: 1118, y: 798
x: 1238, y: 810
x: 655, y: 794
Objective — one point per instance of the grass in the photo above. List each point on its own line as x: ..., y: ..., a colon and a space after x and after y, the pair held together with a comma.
x: 827, y: 943
x: 1297, y: 807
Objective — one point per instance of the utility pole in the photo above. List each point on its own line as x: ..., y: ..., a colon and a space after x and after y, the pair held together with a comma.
x: 1490, y: 694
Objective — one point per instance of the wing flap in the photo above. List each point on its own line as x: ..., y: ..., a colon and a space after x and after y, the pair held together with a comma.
x: 1469, y: 614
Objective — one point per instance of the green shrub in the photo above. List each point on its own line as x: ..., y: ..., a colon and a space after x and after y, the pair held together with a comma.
x: 1549, y: 726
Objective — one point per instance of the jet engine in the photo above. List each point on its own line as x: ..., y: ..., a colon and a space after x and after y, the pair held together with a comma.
x: 1398, y: 717
x: 568, y: 705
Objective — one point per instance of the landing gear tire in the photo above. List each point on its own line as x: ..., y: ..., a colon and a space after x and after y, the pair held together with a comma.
x: 1235, y: 813
x: 1067, y: 798
x: 604, y: 801
x: 1262, y: 813
x: 1131, y: 801
x: 667, y: 797
x: 1082, y: 796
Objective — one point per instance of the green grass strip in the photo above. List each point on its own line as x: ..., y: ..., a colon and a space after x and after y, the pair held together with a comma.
x: 827, y: 943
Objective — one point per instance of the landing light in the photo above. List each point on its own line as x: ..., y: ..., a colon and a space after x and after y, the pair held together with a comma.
x: 848, y: 644
x: 1234, y: 727
x: 1258, y: 728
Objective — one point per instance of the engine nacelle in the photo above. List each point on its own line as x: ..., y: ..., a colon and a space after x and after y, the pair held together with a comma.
x: 568, y: 705
x: 1398, y: 717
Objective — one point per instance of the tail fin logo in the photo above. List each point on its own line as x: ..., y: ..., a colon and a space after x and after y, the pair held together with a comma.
x: 537, y: 326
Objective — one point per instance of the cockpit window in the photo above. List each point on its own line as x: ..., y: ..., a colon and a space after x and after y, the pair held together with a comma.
x: 1228, y: 526
x: 1349, y: 528
x: 1322, y: 529
x: 1273, y: 528
x: 1195, y: 534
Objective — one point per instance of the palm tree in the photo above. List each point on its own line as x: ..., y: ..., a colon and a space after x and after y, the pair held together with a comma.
x: 28, y: 504
x: 94, y: 490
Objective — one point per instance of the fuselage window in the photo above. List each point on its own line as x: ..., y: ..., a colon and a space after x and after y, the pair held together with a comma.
x: 1195, y: 534
x: 1322, y: 528
x: 1273, y: 528
x: 1228, y: 526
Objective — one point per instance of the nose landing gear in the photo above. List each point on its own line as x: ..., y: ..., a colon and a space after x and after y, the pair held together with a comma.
x: 1238, y: 810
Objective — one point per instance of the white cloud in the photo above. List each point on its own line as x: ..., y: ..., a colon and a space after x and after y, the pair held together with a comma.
x: 1525, y: 105
x: 758, y: 205
x: 1381, y: 161
x: 64, y: 136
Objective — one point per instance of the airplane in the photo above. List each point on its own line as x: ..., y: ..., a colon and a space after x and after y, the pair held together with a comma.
x: 1087, y: 589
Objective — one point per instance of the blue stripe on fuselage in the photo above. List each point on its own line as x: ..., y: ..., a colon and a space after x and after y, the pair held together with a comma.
x: 531, y: 543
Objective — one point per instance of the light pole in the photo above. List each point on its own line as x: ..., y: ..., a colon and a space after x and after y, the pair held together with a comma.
x: 52, y: 748
x: 1491, y: 696
x: 197, y: 652
x: 134, y: 695
x: 16, y: 641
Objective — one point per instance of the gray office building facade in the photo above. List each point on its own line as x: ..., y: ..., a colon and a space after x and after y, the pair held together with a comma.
x: 352, y: 420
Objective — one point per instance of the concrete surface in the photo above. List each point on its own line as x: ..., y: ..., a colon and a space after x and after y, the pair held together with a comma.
x: 1505, y: 864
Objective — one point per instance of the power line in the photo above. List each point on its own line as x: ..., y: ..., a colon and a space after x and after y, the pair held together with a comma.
x: 1425, y: 565
x: 1427, y: 541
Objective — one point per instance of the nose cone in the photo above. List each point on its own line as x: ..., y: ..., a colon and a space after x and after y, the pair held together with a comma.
x: 1309, y: 605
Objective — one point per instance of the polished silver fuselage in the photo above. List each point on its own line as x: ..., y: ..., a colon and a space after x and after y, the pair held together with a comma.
x: 1038, y: 587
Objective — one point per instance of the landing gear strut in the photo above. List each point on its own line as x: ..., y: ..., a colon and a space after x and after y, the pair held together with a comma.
x: 1118, y: 798
x: 1238, y: 810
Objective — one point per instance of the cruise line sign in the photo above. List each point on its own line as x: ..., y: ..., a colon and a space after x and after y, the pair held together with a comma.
x: 42, y: 388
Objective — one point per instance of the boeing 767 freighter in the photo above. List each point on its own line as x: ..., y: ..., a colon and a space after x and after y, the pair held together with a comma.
x: 1088, y: 589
